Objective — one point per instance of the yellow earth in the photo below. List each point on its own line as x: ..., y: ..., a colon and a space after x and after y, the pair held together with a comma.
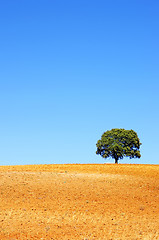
x: 79, y: 201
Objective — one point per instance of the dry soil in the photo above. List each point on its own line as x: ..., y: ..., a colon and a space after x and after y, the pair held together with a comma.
x: 86, y: 202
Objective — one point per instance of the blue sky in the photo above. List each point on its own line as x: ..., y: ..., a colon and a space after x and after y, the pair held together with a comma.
x: 70, y: 70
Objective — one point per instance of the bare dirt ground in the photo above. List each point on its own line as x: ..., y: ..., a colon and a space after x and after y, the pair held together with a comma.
x: 95, y: 201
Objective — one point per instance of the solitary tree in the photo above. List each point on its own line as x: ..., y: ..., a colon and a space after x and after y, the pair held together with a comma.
x: 119, y: 143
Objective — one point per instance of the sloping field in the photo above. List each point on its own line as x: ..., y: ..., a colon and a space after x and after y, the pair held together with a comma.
x: 95, y: 201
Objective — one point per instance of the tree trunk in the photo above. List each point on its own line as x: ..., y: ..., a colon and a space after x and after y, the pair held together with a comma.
x: 115, y: 156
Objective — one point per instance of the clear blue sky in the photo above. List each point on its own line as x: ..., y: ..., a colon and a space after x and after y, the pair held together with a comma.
x: 69, y: 71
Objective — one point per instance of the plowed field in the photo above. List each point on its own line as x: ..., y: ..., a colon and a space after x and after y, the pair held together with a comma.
x: 95, y: 201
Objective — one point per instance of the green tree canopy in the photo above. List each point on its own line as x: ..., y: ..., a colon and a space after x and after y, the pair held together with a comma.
x: 119, y: 143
